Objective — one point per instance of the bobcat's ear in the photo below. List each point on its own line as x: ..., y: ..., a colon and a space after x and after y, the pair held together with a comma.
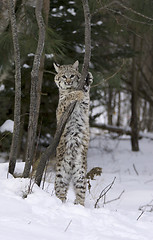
x: 56, y: 66
x: 76, y: 65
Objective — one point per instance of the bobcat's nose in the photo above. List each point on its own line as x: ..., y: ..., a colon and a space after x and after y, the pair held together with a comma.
x: 68, y: 80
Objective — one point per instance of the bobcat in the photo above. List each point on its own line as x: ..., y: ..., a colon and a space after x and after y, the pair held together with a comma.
x: 72, y: 149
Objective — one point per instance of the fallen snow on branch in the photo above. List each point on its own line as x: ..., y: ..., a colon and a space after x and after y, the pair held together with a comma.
x: 8, y: 126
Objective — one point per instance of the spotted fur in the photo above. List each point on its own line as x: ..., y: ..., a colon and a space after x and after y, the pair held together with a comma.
x: 72, y: 150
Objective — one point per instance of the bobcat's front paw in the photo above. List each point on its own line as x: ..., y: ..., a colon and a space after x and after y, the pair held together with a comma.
x: 80, y: 95
x: 88, y: 82
x: 76, y: 95
x: 89, y: 78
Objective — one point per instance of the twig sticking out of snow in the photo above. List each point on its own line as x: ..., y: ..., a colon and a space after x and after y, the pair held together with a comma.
x: 68, y: 226
x: 140, y: 215
x: 135, y: 169
x: 105, y: 202
x: 104, y: 191
x: 145, y: 208
x: 148, y: 181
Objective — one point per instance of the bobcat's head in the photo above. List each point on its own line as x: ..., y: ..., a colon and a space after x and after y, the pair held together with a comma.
x: 67, y: 76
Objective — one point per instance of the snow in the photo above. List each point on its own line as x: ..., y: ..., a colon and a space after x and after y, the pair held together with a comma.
x: 42, y: 216
x: 61, y: 7
x: 99, y: 23
x: 72, y: 11
x: 49, y: 56
x: 74, y: 32
x: 31, y: 54
x: 26, y: 66
x: 7, y: 126
x: 79, y: 49
x: 2, y: 87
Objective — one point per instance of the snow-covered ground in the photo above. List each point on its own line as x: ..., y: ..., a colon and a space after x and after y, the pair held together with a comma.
x: 42, y: 216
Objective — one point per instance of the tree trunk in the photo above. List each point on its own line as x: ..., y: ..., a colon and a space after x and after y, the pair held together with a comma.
x: 35, y: 94
x: 150, y: 119
x: 24, y: 117
x: 60, y: 128
x: 109, y: 106
x: 134, y: 105
x: 17, y: 105
x: 119, y: 109
x: 120, y: 130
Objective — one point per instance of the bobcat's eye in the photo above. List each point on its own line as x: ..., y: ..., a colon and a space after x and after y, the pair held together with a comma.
x: 63, y: 76
x: 72, y: 76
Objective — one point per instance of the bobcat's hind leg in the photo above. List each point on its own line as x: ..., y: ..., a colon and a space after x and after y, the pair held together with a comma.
x: 63, y: 177
x: 61, y: 187
x: 79, y: 182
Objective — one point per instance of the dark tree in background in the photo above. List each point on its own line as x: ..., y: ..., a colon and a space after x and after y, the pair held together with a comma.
x: 134, y: 106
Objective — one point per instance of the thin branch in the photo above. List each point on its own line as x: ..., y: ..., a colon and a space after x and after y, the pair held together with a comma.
x: 148, y: 181
x: 140, y: 215
x: 44, y: 177
x: 145, y: 208
x: 102, y: 8
x: 46, y: 71
x: 135, y: 12
x: 68, y: 226
x: 125, y: 7
x: 128, y: 18
x: 135, y: 169
x: 115, y: 199
x: 125, y: 26
x: 104, y: 191
x: 113, y: 75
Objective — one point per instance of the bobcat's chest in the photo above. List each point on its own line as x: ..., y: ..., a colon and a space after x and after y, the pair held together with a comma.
x: 76, y: 122
x: 76, y: 130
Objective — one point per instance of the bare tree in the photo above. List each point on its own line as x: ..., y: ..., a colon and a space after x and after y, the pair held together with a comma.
x: 61, y: 125
x: 134, y: 105
x: 17, y: 105
x: 35, y: 94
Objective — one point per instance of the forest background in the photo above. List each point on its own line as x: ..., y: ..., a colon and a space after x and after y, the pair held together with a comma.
x: 121, y: 63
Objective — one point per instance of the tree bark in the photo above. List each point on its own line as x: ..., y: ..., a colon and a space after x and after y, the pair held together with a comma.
x: 134, y: 105
x: 150, y: 119
x: 60, y: 128
x: 87, y: 55
x: 120, y: 130
x: 119, y: 109
x: 109, y: 106
x: 111, y: 128
x: 35, y: 93
x: 17, y: 105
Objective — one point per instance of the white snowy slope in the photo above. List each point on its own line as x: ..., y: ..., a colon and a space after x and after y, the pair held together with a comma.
x: 42, y: 216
